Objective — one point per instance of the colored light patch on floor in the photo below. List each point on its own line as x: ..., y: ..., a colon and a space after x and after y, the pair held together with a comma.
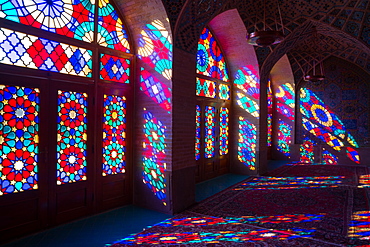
x: 364, y: 181
x: 278, y: 183
x: 248, y: 235
x: 360, y: 225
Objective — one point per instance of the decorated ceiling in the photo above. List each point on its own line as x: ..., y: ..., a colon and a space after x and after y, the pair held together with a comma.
x: 343, y: 28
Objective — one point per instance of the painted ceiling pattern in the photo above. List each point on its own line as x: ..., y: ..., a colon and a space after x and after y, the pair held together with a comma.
x: 344, y: 27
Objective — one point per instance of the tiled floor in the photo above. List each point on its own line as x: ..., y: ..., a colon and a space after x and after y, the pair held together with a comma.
x: 114, y: 225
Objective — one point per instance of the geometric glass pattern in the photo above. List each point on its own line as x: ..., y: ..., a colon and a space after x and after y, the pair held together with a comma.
x: 29, y: 51
x: 19, y: 127
x: 285, y: 100
x: 156, y: 90
x: 353, y: 155
x: 248, y: 104
x: 155, y: 48
x: 306, y: 151
x: 270, y: 105
x: 359, y: 226
x: 247, y: 143
x: 154, y: 153
x: 320, y: 119
x: 246, y: 80
x: 114, y: 68
x: 206, y: 88
x: 209, y: 132
x: 111, y: 32
x: 198, y: 112
x: 284, y: 138
x: 328, y: 158
x: 114, y: 135
x: 69, y: 18
x: 71, y: 137
x: 210, y: 60
x: 224, y: 131
x: 224, y: 91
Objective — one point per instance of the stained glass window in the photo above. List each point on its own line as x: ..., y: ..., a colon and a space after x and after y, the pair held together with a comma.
x: 70, y: 18
x: 114, y: 68
x: 111, y: 31
x: 71, y: 137
x: 284, y: 138
x: 224, y: 131
x: 206, y: 88
x: 198, y: 112
x: 247, y: 143
x: 19, y: 128
x: 353, y: 155
x: 154, y: 153
x: 156, y: 90
x: 155, y: 48
x: 210, y: 131
x: 114, y: 135
x: 210, y: 60
x: 29, y: 51
x: 224, y: 91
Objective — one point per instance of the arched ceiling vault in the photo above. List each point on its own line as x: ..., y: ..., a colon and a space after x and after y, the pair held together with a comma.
x: 343, y: 28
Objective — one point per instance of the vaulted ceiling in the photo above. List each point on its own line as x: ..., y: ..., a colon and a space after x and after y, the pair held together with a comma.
x: 343, y: 28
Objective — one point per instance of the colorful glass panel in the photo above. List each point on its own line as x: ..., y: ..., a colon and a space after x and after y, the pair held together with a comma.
x: 198, y: 112
x: 114, y: 68
x: 307, y: 151
x: 71, y: 137
x: 210, y: 132
x: 154, y: 153
x: 70, y: 18
x: 29, y: 51
x: 224, y: 91
x: 19, y: 127
x: 284, y: 138
x: 224, y: 131
x: 210, y: 60
x: 206, y: 88
x: 285, y: 100
x: 247, y: 143
x: 155, y: 48
x: 328, y: 158
x: 156, y: 90
x: 248, y: 105
x: 114, y: 135
x: 111, y: 31
x: 246, y: 80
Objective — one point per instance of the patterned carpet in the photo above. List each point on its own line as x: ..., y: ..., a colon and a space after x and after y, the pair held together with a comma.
x: 295, y: 205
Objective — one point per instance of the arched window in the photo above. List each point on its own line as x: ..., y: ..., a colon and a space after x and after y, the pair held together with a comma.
x: 65, y: 95
x: 213, y: 107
